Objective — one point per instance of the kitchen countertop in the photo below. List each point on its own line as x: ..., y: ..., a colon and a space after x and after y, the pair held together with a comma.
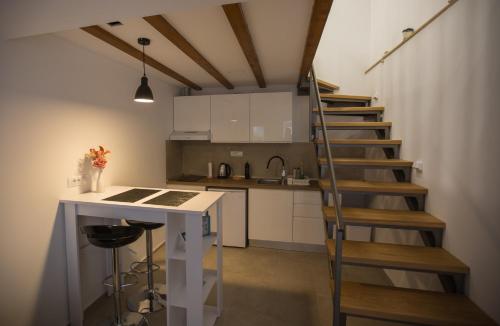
x: 243, y: 183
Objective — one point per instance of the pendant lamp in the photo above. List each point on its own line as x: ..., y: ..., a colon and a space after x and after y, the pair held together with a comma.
x: 144, y: 93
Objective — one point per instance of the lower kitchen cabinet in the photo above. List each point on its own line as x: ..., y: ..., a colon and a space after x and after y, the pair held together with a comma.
x: 273, y: 215
x: 307, y: 210
x: 308, y: 225
x: 270, y: 214
x: 308, y: 230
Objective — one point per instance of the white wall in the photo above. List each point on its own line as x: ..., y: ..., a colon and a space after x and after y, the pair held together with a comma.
x: 390, y: 17
x: 56, y: 101
x: 357, y: 34
x: 343, y: 52
x: 440, y: 91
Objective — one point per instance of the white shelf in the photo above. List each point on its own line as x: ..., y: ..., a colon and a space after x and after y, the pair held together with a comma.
x: 179, y: 299
x: 209, y: 315
x: 185, y: 269
x: 208, y: 242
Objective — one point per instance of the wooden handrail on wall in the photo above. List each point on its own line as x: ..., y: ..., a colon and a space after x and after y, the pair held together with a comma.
x: 450, y: 3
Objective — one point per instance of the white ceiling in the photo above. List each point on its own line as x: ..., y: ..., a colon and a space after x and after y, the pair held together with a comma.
x: 278, y: 29
x: 19, y: 18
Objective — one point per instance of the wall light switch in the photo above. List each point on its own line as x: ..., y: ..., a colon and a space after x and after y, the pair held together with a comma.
x: 236, y: 154
x: 74, y: 181
x: 418, y: 165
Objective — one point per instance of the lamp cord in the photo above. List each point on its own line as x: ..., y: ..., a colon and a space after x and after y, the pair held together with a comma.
x: 143, y: 61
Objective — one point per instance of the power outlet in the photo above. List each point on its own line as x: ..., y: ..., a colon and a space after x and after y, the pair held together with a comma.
x: 418, y: 165
x: 74, y: 181
x: 236, y: 154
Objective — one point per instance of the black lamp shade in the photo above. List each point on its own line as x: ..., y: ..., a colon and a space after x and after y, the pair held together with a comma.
x: 144, y: 93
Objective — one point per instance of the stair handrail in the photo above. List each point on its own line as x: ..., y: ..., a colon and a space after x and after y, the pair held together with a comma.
x: 340, y: 227
x: 424, y: 25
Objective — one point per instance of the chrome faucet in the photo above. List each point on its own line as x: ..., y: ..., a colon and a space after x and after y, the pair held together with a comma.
x: 283, y: 170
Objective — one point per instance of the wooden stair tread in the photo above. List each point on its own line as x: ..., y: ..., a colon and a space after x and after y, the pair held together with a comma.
x: 367, y: 162
x: 362, y: 125
x: 384, y: 217
x: 385, y: 255
x: 345, y: 97
x: 361, y: 142
x: 326, y: 85
x: 352, y: 109
x: 375, y: 187
x: 410, y: 306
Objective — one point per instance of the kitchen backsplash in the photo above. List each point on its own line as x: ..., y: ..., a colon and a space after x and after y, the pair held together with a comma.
x: 192, y: 157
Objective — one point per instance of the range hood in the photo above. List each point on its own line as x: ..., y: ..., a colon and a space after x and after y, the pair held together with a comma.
x: 190, y: 135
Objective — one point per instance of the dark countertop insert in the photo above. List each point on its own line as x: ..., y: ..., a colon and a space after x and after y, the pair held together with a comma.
x: 172, y: 198
x: 132, y: 195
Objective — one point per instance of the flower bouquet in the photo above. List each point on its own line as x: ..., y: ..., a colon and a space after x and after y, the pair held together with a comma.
x: 99, y: 162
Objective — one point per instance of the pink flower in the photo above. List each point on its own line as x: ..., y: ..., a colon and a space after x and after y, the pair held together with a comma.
x: 98, y: 157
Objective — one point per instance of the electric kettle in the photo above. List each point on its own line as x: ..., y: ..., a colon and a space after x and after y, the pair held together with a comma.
x: 224, y: 171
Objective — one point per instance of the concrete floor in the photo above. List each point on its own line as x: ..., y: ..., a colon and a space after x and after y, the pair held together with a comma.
x: 265, y: 287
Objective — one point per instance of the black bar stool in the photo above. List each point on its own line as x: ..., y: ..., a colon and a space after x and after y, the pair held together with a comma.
x: 152, y: 297
x: 113, y: 237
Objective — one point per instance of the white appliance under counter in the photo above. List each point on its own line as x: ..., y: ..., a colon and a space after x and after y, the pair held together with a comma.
x: 234, y: 210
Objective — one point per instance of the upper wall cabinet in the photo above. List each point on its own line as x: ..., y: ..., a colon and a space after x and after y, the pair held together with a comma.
x: 230, y: 118
x: 271, y: 117
x: 192, y: 113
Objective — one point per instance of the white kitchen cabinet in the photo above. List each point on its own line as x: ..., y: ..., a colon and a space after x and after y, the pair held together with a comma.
x: 192, y: 113
x: 308, y: 224
x: 230, y: 118
x: 307, y: 210
x: 308, y: 230
x: 270, y: 215
x: 271, y: 117
x: 307, y: 197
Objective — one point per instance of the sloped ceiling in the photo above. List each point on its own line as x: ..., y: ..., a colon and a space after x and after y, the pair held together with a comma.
x: 20, y: 18
x: 278, y: 29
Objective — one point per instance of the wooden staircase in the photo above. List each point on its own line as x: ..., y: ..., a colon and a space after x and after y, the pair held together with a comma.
x: 374, y: 301
x: 382, y: 218
x: 410, y: 306
x: 368, y: 163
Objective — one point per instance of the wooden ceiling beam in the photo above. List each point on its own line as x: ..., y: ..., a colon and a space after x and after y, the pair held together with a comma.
x: 234, y: 14
x: 319, y: 15
x: 118, y: 43
x: 169, y: 31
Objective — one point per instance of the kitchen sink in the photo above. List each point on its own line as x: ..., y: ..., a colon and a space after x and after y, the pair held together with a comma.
x: 269, y: 181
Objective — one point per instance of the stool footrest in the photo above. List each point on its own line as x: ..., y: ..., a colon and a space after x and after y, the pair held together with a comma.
x: 135, y: 267
x: 108, y: 281
x: 146, y: 301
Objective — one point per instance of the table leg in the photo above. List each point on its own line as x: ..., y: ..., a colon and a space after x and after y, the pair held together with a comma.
x: 194, y: 269
x: 168, y: 244
x: 73, y: 265
x: 219, y: 258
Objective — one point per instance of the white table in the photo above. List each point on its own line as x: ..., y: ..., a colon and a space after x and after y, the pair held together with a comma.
x: 187, y: 282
